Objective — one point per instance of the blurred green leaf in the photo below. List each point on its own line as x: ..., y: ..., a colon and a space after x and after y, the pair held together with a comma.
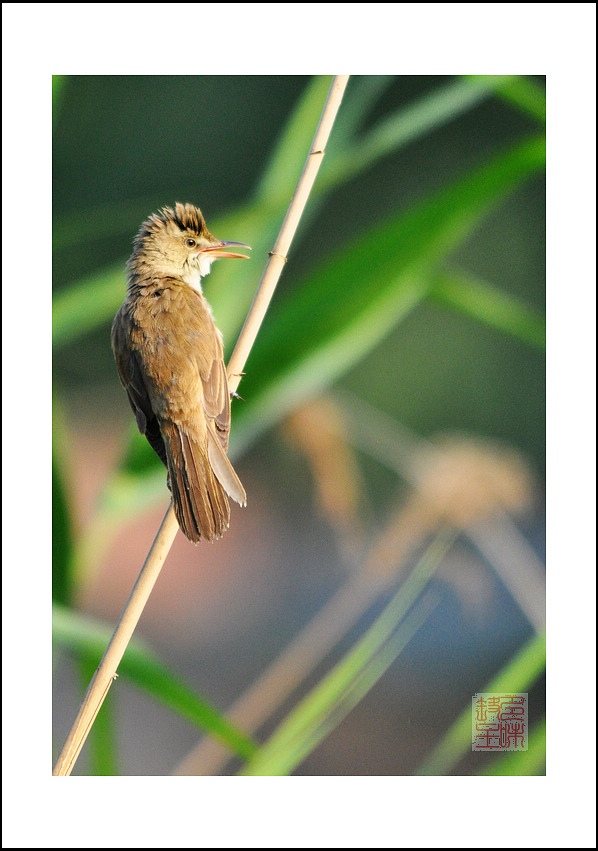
x: 62, y: 531
x: 528, y: 96
x: 231, y: 292
x: 306, y: 725
x: 58, y: 81
x: 352, y: 301
x: 294, y: 750
x: 529, y: 763
x: 518, y: 675
x: 523, y: 93
x: 87, y: 639
x: 409, y: 123
x: 87, y: 304
x: 486, y: 303
x: 61, y: 538
x: 279, y: 180
x: 112, y: 218
x: 361, y: 96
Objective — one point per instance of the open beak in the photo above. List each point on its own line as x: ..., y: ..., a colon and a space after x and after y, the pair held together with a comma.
x: 215, y: 251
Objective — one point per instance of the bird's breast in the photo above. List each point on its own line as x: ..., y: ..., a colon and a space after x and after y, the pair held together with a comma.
x: 177, y: 342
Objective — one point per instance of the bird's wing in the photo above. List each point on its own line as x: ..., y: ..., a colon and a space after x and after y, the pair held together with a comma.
x: 216, y: 398
x: 216, y: 404
x: 131, y: 377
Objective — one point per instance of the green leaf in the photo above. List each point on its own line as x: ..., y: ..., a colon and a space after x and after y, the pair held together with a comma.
x: 353, y: 300
x: 62, y: 530
x: 409, y: 123
x: 361, y: 95
x: 518, y: 675
x: 112, y: 218
x: 527, y: 96
x: 58, y: 81
x: 299, y: 748
x: 87, y: 639
x: 529, y: 763
x: 87, y: 304
x: 61, y: 538
x: 486, y: 303
x: 288, y: 157
x: 299, y: 732
x: 523, y: 93
x: 231, y: 292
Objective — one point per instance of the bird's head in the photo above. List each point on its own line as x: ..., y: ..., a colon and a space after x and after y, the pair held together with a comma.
x: 176, y: 243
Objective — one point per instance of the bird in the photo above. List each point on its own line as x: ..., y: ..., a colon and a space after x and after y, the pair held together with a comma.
x: 170, y: 360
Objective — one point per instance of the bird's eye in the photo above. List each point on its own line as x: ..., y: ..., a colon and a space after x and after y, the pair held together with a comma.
x: 190, y: 243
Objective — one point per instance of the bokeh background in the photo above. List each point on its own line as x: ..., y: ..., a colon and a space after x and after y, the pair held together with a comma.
x: 457, y: 348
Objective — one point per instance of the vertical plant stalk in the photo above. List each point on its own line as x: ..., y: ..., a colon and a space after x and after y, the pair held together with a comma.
x: 106, y: 672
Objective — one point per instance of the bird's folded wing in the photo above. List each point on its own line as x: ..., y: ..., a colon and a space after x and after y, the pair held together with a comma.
x: 224, y: 470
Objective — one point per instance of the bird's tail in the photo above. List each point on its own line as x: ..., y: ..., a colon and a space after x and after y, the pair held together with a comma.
x: 200, y: 503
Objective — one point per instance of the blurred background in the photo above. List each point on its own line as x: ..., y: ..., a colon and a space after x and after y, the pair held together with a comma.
x: 397, y: 387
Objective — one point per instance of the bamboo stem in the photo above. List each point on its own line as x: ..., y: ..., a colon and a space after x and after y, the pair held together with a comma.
x: 106, y: 672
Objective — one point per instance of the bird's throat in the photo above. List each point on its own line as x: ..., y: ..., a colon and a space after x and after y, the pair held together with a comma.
x: 195, y: 272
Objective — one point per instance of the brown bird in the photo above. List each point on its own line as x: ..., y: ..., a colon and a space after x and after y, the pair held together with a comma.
x: 170, y: 361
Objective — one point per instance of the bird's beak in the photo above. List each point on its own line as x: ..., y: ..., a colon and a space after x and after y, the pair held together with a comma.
x: 215, y: 251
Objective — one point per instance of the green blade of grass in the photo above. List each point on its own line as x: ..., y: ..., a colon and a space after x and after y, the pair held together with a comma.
x: 87, y: 304
x: 58, y: 85
x: 87, y: 639
x: 289, y: 743
x: 518, y: 675
x: 278, y: 182
x: 529, y: 763
x: 62, y: 528
x: 486, y: 303
x: 409, y: 123
x: 361, y: 96
x: 62, y: 548
x: 298, y: 749
x: 231, y: 293
x: 108, y: 219
x: 350, y: 303
x: 527, y: 96
x: 523, y: 93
